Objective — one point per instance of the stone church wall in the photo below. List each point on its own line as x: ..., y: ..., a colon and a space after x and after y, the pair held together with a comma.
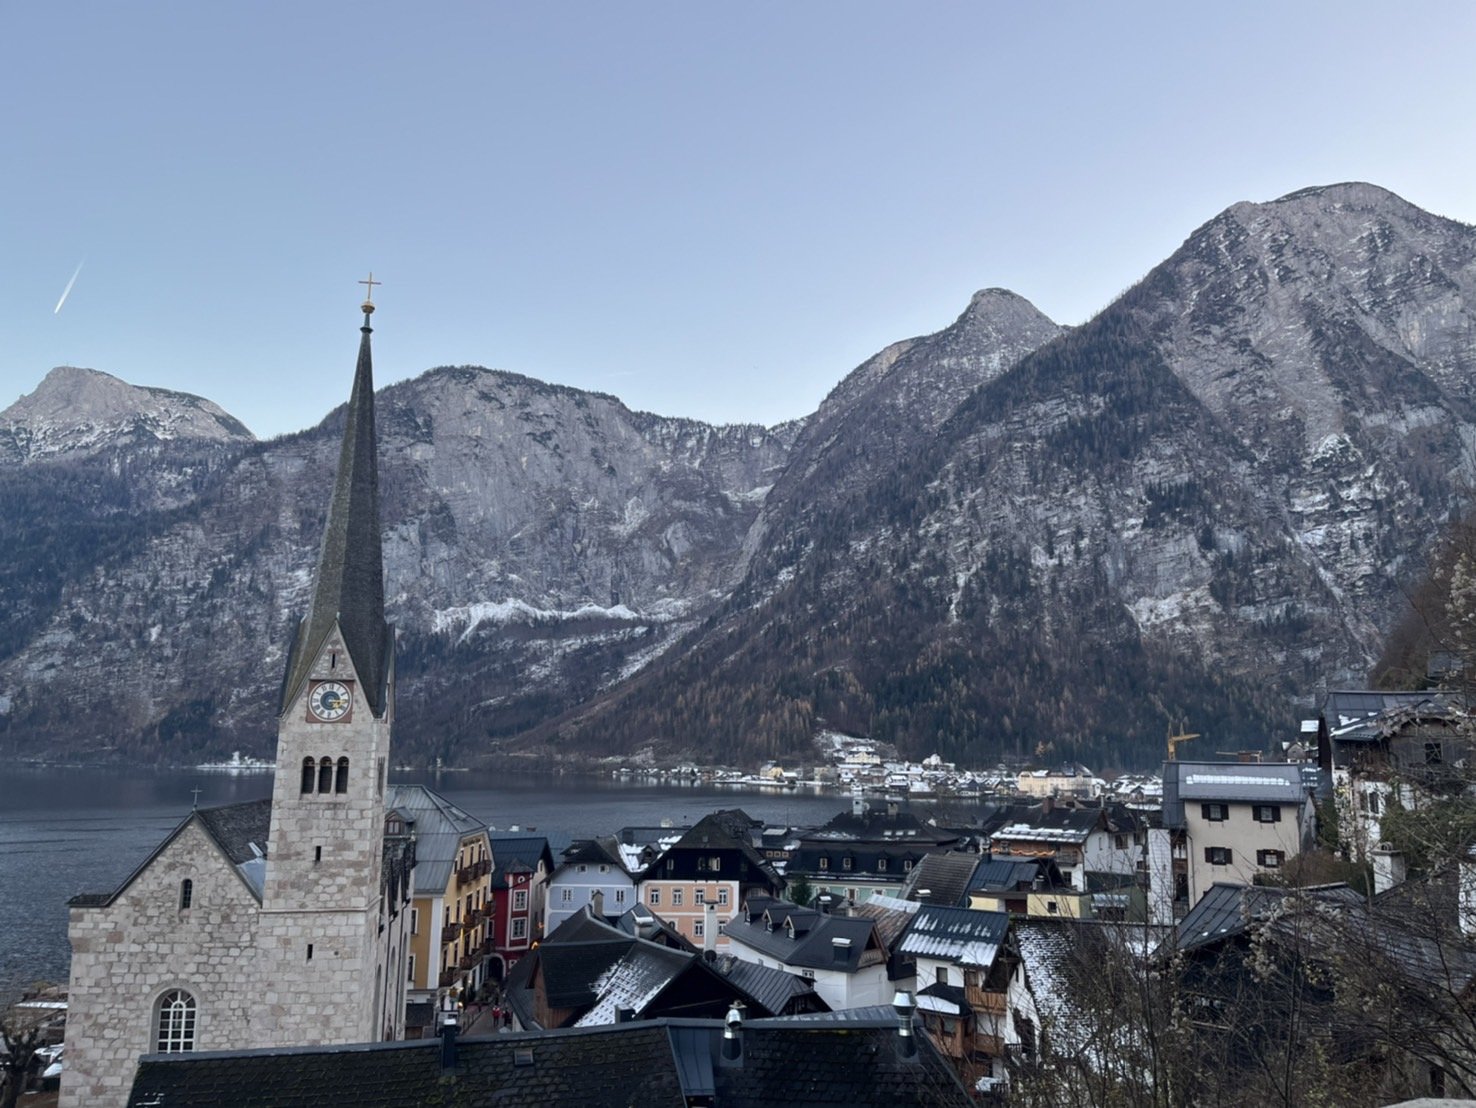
x: 128, y: 954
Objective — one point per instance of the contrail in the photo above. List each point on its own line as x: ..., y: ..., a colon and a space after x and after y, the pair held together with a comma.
x: 66, y: 292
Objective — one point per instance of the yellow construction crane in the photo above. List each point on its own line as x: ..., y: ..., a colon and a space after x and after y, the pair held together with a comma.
x: 1175, y: 740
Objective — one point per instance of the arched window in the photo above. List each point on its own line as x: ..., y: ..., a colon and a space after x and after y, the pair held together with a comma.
x: 325, y: 775
x: 341, y: 784
x: 309, y: 774
x: 175, y: 1022
x: 186, y: 893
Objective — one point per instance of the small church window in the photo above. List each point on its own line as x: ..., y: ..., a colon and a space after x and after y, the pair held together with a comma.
x: 325, y: 775
x: 309, y: 774
x: 186, y: 893
x: 176, y: 1022
x: 340, y: 785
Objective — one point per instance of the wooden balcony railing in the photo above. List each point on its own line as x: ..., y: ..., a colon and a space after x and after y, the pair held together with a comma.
x: 448, y: 978
x: 986, y: 1002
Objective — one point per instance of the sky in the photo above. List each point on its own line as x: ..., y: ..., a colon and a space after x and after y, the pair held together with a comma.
x: 711, y: 210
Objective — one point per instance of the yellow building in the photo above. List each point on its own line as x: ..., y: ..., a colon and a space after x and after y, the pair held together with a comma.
x: 451, y: 915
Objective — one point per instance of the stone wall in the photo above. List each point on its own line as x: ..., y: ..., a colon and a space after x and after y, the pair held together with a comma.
x: 126, y: 955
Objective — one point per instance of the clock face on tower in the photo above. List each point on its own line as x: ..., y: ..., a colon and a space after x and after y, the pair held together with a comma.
x: 329, y: 701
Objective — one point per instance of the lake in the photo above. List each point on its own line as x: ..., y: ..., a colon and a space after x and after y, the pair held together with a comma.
x: 69, y: 831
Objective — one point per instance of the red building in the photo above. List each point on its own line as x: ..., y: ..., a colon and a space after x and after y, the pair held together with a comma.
x: 522, y: 865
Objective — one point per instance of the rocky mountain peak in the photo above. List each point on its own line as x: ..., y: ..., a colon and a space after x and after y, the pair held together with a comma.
x: 81, y: 411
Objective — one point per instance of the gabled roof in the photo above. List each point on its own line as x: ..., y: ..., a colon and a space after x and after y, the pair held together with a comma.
x: 890, y: 915
x: 1227, y: 910
x: 350, y: 580
x: 1006, y: 874
x: 1350, y: 713
x: 848, y: 1060
x: 964, y: 936
x: 944, y: 878
x: 1061, y: 824
x: 518, y: 853
x: 773, y: 988
x: 603, y: 851
x: 440, y: 828
x: 817, y: 941
x: 240, y: 831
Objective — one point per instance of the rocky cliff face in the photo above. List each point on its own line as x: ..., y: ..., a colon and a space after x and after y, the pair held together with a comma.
x: 1194, y: 507
x: 538, y: 540
x: 999, y: 538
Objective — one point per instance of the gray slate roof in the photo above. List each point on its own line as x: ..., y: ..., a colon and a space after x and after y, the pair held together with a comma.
x: 232, y: 827
x: 350, y: 588
x: 943, y: 877
x: 773, y: 988
x: 651, y: 1064
x: 1226, y: 910
x: 814, y: 942
x: 440, y: 826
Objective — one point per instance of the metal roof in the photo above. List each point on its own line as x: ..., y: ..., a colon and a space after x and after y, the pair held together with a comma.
x: 440, y: 829
x: 961, y: 935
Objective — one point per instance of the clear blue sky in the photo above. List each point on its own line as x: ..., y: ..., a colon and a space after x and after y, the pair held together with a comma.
x: 710, y: 210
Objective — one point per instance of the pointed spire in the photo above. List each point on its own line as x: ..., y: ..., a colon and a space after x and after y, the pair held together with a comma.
x: 350, y: 589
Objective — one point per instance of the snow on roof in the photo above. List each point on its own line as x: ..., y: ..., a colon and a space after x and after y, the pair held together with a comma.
x: 1233, y: 779
x: 1025, y: 831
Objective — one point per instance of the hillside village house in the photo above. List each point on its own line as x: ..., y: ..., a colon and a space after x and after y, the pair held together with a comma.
x: 971, y: 988
x: 451, y: 916
x: 1236, y: 821
x: 521, y: 864
x: 1079, y: 838
x: 865, y: 852
x: 1383, y: 748
x: 589, y: 867
x: 702, y: 879
x: 282, y: 922
x: 844, y: 956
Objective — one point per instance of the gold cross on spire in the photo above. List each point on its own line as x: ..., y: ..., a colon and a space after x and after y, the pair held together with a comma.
x: 369, y: 290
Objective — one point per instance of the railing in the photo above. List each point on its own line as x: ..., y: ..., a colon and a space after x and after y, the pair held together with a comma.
x: 448, y: 978
x: 469, y: 961
x: 450, y: 932
x: 988, y: 1046
x: 489, y: 945
x: 469, y: 873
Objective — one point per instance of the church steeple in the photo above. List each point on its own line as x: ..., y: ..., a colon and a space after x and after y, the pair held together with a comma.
x: 350, y: 589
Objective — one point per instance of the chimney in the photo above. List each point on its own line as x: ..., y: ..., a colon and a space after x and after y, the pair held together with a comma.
x: 732, y: 1054
x: 905, y: 1006
x: 1389, y: 868
x: 449, y: 1030
x: 1048, y: 804
x: 710, y: 927
x: 597, y: 904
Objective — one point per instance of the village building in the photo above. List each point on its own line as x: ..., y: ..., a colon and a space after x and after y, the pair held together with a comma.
x: 279, y: 923
x: 451, y: 917
x: 1385, y: 749
x: 1235, y: 822
x: 868, y: 851
x: 700, y: 881
x: 521, y: 865
x: 1102, y: 838
x: 972, y: 989
x: 589, y: 867
x: 844, y: 956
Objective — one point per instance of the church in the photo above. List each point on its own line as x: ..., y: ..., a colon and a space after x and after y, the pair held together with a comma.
x: 281, y: 922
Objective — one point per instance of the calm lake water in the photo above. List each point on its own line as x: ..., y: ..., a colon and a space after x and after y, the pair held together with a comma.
x: 64, y: 832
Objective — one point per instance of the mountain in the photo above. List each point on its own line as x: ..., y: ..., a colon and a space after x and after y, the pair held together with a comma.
x: 538, y: 539
x: 1003, y: 538
x: 81, y: 411
x: 1193, y: 508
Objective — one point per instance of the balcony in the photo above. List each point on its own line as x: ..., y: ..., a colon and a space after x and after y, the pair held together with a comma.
x: 984, y: 1002
x: 467, y: 874
x: 448, y: 978
x: 450, y: 932
x: 468, y: 962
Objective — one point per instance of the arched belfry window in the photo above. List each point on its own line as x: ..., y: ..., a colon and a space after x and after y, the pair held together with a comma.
x: 340, y: 784
x: 309, y: 774
x: 325, y: 775
x: 174, y: 1022
x: 186, y: 893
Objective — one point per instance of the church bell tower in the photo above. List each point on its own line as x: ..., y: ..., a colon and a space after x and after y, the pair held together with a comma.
x: 321, y: 904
